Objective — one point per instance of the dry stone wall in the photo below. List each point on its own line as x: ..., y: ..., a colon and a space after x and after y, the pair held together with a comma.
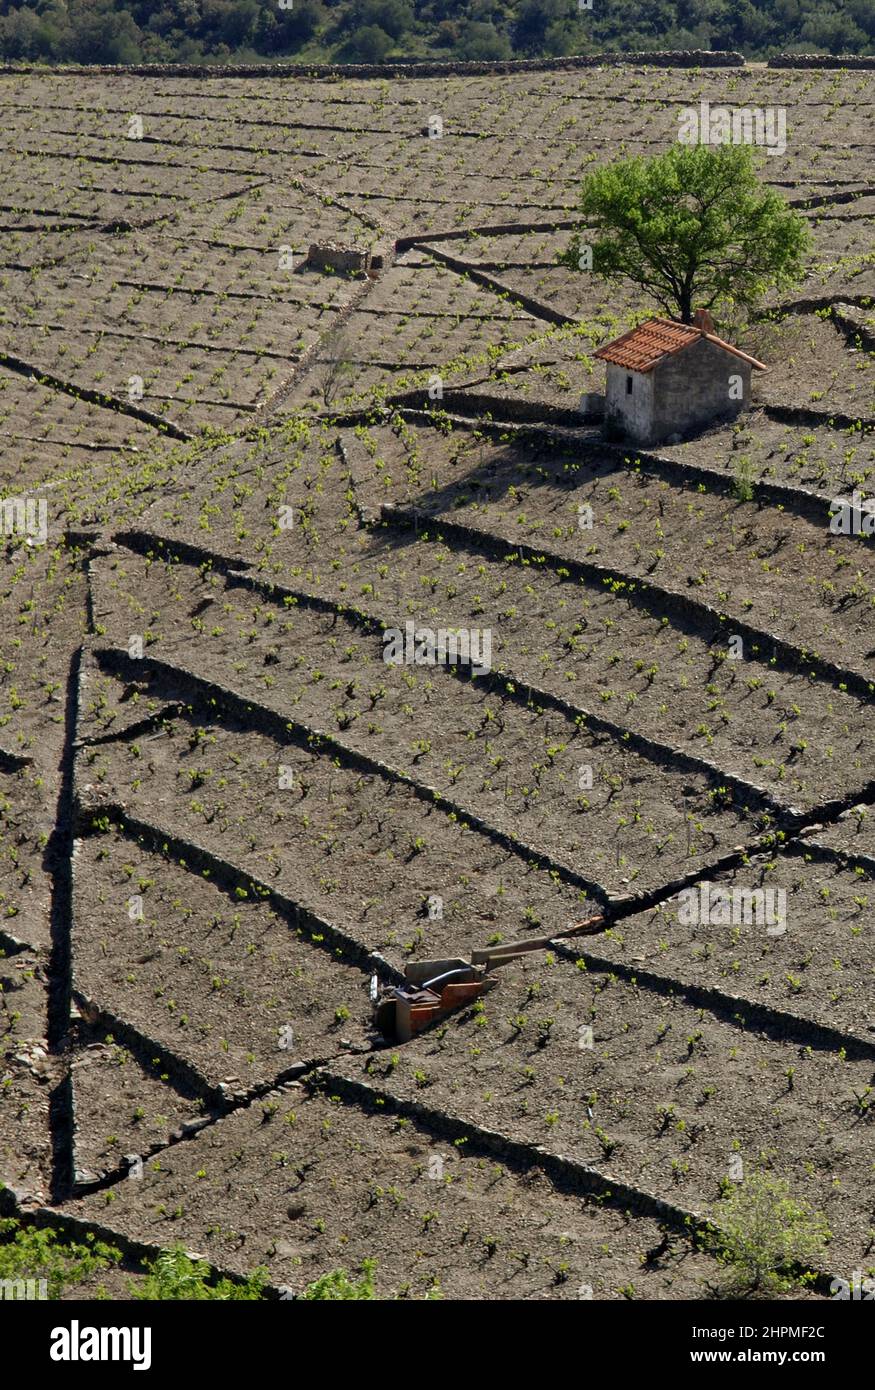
x: 821, y: 60
x: 682, y: 58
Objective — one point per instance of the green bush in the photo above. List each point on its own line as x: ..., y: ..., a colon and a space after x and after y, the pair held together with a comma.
x: 174, y: 1275
x: 337, y: 1284
x: 765, y: 1235
x: 34, y: 1252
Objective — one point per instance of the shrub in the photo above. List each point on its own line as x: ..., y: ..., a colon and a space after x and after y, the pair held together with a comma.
x: 30, y: 1252
x: 338, y: 1284
x: 175, y: 1275
x: 764, y: 1234
x: 742, y: 482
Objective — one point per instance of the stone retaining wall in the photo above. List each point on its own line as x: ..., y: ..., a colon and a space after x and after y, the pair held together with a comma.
x: 652, y: 596
x: 680, y: 58
x: 765, y: 1018
x: 747, y: 794
x: 264, y: 720
x: 801, y: 500
x: 566, y: 1173
x: 820, y: 60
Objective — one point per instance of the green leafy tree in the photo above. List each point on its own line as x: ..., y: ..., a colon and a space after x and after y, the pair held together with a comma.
x: 27, y: 35
x: 764, y: 1234
x: 238, y: 22
x: 292, y: 28
x: 106, y: 36
x: 549, y: 27
x: 369, y: 44
x: 482, y: 42
x: 394, y: 17
x: 194, y: 30
x: 693, y: 227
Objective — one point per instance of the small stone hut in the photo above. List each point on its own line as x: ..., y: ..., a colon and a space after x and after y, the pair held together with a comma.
x: 666, y: 378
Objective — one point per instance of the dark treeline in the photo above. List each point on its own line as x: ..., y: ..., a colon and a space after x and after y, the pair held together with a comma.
x: 135, y: 31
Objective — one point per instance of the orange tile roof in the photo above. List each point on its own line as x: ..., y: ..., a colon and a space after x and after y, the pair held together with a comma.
x: 643, y: 347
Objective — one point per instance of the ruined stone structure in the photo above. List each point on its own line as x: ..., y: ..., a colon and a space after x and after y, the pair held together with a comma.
x: 350, y: 260
x: 345, y: 260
